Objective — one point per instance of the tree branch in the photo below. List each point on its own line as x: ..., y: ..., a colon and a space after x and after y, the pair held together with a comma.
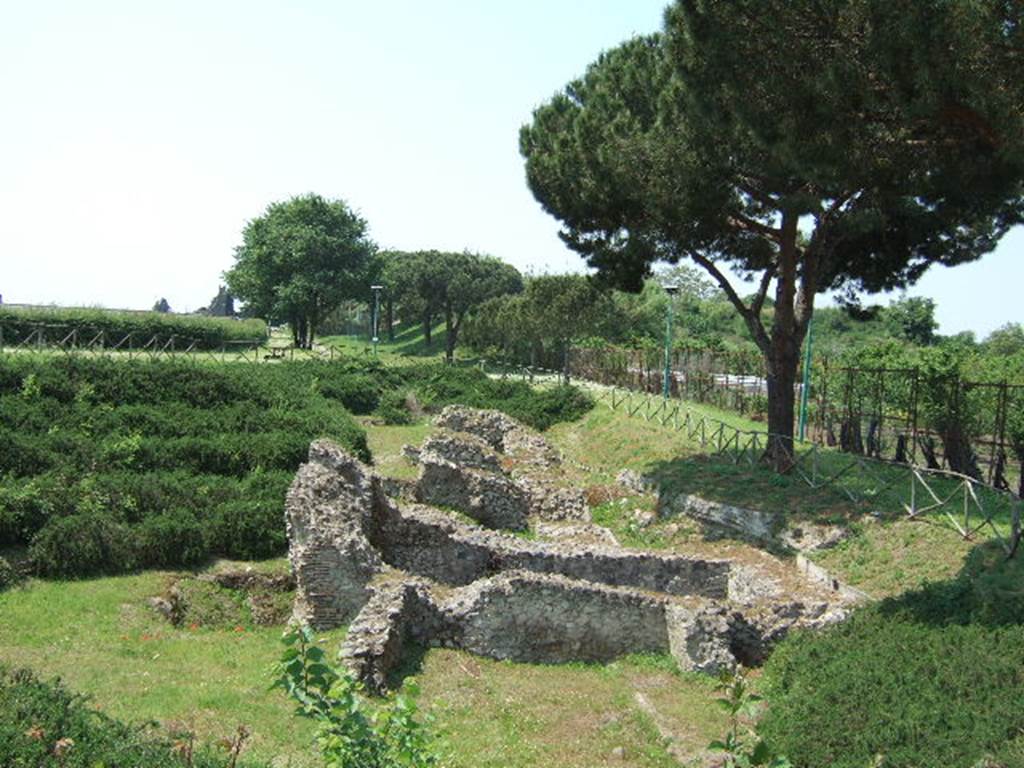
x: 743, y: 222
x: 762, y: 292
x: 752, y: 319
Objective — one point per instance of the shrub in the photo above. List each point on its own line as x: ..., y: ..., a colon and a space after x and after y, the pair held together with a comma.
x: 8, y: 576
x: 360, y: 393
x: 43, y: 725
x: 58, y: 322
x: 931, y: 678
x: 349, y: 733
x: 393, y: 407
x: 247, y: 530
x: 170, y: 539
x: 438, y: 385
x: 549, y: 407
x: 83, y: 545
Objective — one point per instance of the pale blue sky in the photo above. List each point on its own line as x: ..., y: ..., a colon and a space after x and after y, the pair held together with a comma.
x: 136, y: 138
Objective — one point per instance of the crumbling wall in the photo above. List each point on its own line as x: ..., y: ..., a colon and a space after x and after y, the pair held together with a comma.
x: 401, y: 572
x: 467, y: 472
x: 530, y: 617
x: 327, y: 511
x: 428, y: 543
x: 490, y: 498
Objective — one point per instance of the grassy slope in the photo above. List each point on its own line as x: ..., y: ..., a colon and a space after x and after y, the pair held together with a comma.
x: 886, y: 554
x: 409, y: 344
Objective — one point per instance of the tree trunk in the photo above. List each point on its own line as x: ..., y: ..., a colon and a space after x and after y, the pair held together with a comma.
x: 565, y: 362
x: 427, y: 322
x: 451, y: 333
x: 783, y: 359
x: 390, y: 310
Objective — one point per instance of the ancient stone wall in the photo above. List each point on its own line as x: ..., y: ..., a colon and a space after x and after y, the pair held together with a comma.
x: 327, y: 511
x: 401, y: 572
x: 490, y: 498
x: 466, y: 472
x: 425, y: 542
x: 523, y: 616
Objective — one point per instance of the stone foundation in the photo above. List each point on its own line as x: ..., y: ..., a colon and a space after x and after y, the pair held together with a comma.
x: 404, y: 572
x: 429, y: 543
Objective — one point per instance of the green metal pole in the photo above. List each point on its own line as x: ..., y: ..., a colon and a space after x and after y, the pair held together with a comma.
x: 666, y: 388
x: 805, y: 389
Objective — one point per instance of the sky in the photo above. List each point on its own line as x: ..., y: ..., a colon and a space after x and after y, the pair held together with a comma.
x: 138, y: 138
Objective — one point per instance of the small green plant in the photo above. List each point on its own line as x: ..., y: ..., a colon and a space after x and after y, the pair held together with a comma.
x: 8, y: 576
x: 350, y: 733
x: 742, y: 747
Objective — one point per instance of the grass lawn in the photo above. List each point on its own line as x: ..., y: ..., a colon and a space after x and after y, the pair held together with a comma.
x: 103, y: 639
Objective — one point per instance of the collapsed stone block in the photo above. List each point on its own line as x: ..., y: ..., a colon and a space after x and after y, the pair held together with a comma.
x: 492, y: 499
x: 699, y: 638
x: 751, y: 523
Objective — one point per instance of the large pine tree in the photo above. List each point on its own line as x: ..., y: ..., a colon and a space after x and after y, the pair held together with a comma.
x: 842, y: 145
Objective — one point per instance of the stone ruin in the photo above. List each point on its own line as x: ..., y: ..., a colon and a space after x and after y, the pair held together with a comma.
x: 381, y: 557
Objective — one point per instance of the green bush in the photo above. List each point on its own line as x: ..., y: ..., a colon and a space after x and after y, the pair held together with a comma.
x: 8, y: 576
x: 83, y: 545
x: 348, y: 732
x: 57, y: 322
x: 438, y: 385
x: 360, y: 393
x: 248, y: 530
x: 170, y: 539
x: 549, y: 407
x: 931, y: 678
x: 43, y: 725
x: 393, y: 407
x: 158, y: 451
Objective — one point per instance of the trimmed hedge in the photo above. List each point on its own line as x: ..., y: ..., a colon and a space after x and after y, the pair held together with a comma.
x: 43, y: 725
x: 17, y: 324
x: 107, y: 465
x: 438, y: 385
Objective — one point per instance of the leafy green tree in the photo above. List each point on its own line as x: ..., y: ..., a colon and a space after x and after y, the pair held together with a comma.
x: 416, y: 281
x: 813, y: 146
x: 470, y: 280
x: 913, y: 318
x: 1006, y: 340
x: 299, y: 261
x: 432, y: 283
x: 162, y: 306
x: 550, y: 314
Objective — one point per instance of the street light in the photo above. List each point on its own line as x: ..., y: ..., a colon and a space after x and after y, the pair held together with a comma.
x: 376, y: 313
x: 666, y: 382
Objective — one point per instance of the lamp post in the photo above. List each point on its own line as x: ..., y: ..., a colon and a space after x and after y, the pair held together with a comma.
x: 805, y: 387
x: 376, y: 313
x: 666, y: 382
